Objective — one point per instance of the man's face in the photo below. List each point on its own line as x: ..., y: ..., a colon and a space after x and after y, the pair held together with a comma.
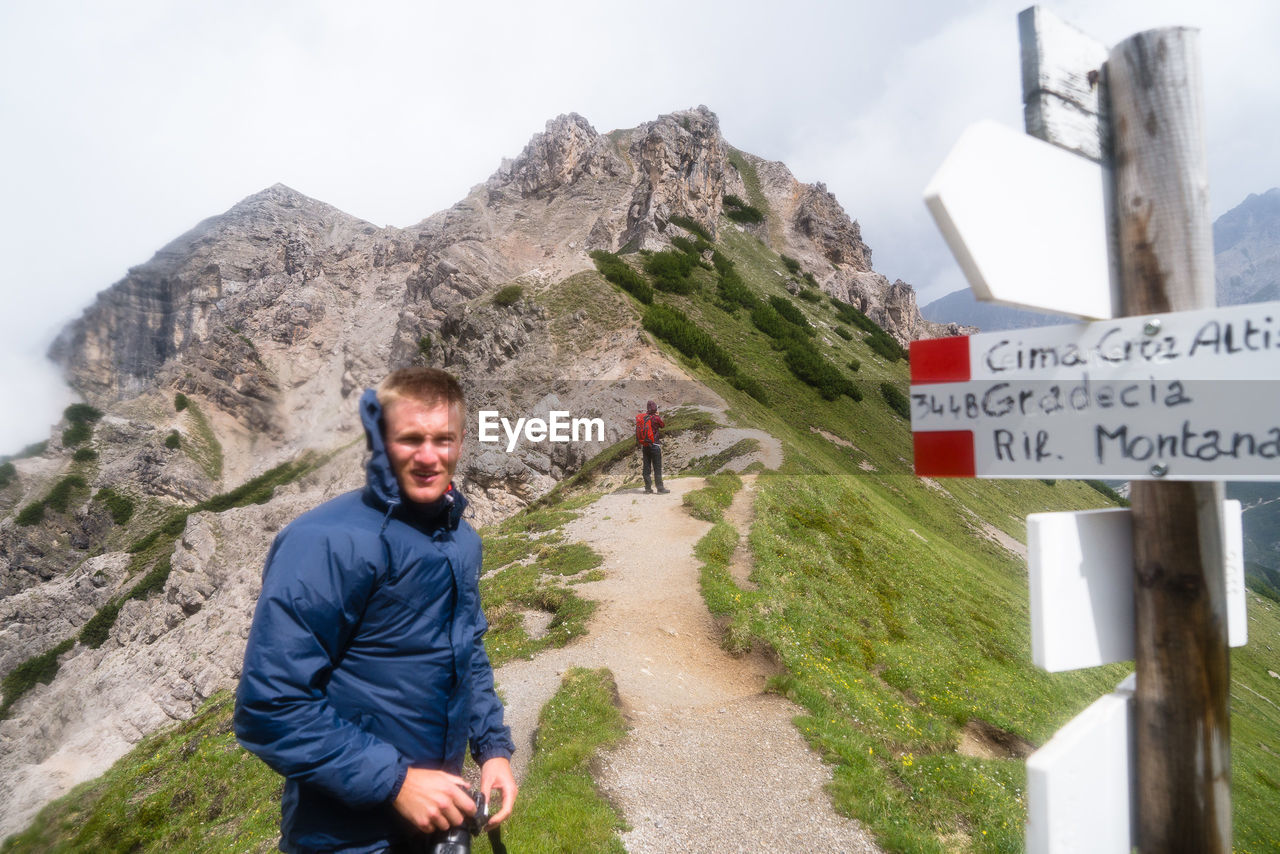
x: 423, y: 443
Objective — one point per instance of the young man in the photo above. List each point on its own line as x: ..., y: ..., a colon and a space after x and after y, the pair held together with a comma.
x: 365, y: 676
x: 648, y: 433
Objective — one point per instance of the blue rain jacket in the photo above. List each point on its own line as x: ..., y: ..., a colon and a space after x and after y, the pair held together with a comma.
x: 365, y: 658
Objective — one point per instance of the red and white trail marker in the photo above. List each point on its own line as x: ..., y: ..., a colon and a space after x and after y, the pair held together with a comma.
x: 1184, y: 396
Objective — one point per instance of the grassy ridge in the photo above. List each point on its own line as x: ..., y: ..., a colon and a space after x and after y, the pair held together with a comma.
x: 899, y: 623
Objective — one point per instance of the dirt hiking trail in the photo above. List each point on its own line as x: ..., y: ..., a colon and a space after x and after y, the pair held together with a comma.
x: 711, y: 763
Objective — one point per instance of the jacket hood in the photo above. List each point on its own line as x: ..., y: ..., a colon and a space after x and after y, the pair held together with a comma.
x: 381, y: 485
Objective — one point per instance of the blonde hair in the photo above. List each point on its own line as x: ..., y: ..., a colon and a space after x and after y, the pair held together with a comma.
x: 425, y: 385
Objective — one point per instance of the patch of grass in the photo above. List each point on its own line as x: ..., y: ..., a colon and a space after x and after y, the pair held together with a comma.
x: 560, y: 809
x: 508, y: 296
x: 692, y: 226
x: 520, y: 587
x: 709, y: 502
x: 568, y: 559
x: 739, y: 211
x: 190, y: 787
x: 202, y: 444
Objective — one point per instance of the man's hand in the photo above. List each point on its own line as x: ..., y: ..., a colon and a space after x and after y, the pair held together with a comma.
x: 435, y: 800
x: 496, y: 774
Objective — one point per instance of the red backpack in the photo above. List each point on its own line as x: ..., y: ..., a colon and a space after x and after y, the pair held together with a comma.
x: 644, y: 430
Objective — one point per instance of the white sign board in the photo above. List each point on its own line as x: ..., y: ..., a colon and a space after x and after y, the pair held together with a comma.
x: 1081, y: 580
x: 1080, y: 784
x: 1027, y: 222
x: 1191, y: 395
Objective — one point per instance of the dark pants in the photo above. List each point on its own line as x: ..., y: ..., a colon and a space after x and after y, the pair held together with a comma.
x: 652, y: 460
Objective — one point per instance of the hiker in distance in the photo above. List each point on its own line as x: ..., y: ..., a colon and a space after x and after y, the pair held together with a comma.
x: 365, y: 676
x: 649, y: 425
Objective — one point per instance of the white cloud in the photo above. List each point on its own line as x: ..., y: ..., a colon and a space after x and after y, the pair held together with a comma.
x: 129, y: 122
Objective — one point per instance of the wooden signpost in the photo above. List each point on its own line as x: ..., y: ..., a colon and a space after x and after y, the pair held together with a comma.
x: 1153, y: 399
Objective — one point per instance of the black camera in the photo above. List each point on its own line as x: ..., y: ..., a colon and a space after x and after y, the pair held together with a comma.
x: 457, y: 840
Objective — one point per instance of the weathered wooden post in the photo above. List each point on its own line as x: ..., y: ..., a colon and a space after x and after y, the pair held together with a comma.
x: 1165, y: 237
x: 1133, y: 196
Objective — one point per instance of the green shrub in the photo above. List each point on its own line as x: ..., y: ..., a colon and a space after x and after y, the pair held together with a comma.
x: 508, y: 296
x: 734, y: 292
x: 119, y: 506
x: 810, y: 295
x: 77, y: 434
x: 153, y: 581
x: 854, y: 365
x: 792, y: 265
x: 808, y: 277
x: 94, y: 633
x: 60, y: 496
x: 81, y: 413
x: 615, y: 270
x: 670, y: 270
x: 897, y: 401
x: 32, y: 514
x: 739, y: 211
x: 768, y: 321
x: 84, y: 455
x: 690, y: 247
x: 424, y: 346
x: 790, y: 313
x: 692, y: 226
x: 886, y: 347
x: 751, y: 387
x: 180, y: 402
x: 173, y: 440
x: 845, y: 334
x: 39, y: 669
x: 8, y: 474
x: 811, y: 368
x: 674, y: 327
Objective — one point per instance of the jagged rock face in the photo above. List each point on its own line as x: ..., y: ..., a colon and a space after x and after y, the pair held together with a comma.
x: 820, y: 218
x: 1246, y: 245
x: 568, y: 151
x: 681, y: 161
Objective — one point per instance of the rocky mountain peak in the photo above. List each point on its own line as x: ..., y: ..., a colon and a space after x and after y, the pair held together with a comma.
x: 568, y: 150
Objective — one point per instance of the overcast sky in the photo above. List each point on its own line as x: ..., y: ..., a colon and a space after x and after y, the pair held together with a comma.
x: 124, y: 124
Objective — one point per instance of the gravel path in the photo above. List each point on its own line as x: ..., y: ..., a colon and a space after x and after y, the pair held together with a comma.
x: 711, y: 763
